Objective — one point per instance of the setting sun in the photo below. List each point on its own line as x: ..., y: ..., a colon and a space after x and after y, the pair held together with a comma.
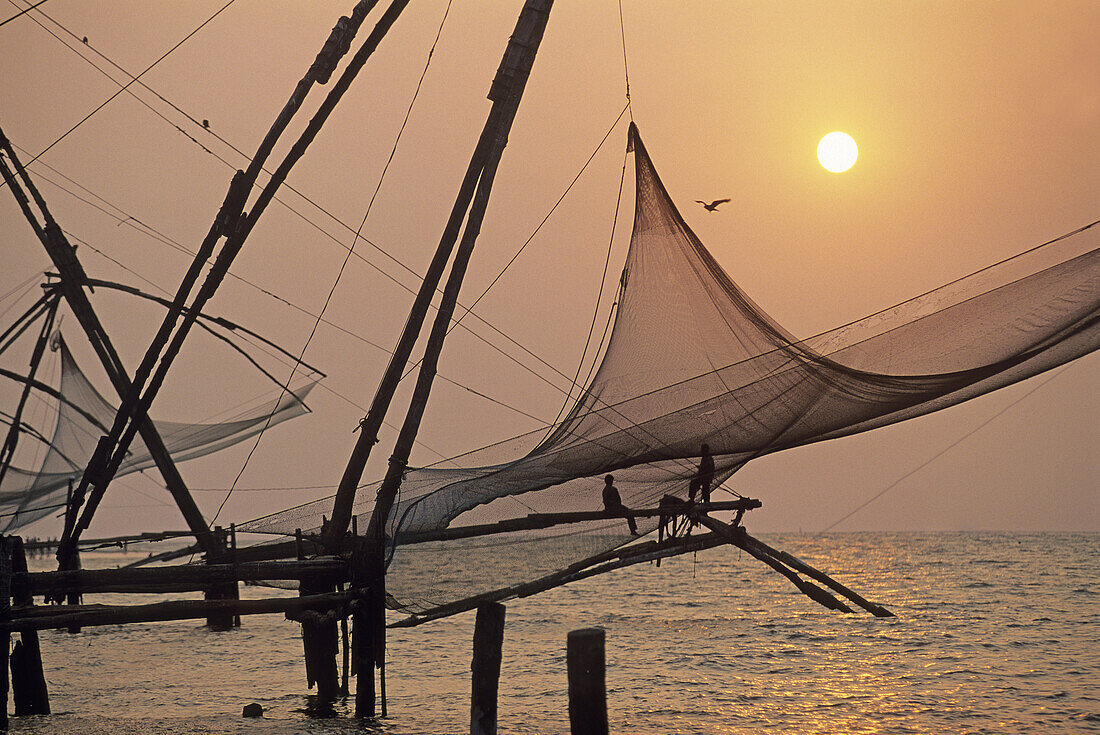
x: 837, y: 152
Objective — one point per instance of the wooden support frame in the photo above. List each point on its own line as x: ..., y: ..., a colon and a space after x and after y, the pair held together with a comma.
x: 41, y: 618
x: 186, y: 578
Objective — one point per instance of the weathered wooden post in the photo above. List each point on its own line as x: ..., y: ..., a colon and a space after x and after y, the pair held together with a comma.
x: 587, y: 682
x: 485, y: 668
x: 363, y: 642
x: 320, y: 641
x: 5, y: 636
x: 28, y: 681
x: 223, y: 591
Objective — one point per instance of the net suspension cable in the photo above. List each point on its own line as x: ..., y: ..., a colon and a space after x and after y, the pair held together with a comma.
x: 306, y: 198
x: 946, y: 449
x: 347, y: 256
x: 127, y: 85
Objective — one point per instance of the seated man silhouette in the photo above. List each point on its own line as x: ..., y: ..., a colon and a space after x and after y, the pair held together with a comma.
x: 613, y: 503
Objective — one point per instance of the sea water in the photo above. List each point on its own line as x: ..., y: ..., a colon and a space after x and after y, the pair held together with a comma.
x: 995, y: 633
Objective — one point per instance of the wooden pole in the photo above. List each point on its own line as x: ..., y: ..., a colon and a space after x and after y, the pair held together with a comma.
x: 184, y: 578
x: 222, y: 591
x: 5, y: 634
x: 344, y: 650
x: 587, y: 682
x: 40, y: 618
x: 594, y: 565
x: 320, y: 643
x: 28, y: 680
x: 485, y: 668
x: 505, y: 93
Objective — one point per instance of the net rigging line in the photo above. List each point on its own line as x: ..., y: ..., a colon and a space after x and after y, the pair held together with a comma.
x: 599, y: 297
x: 24, y: 11
x: 944, y: 450
x: 127, y: 85
x: 469, y: 311
x: 350, y: 250
x: 77, y: 50
x: 301, y: 216
x: 156, y: 235
x: 626, y: 66
x: 291, y: 209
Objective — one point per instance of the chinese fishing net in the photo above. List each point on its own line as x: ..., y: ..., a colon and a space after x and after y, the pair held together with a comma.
x: 83, y: 417
x: 692, y: 361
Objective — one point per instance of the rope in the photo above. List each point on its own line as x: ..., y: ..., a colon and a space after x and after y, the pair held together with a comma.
x: 942, y: 452
x: 347, y: 256
x: 21, y: 12
x: 626, y: 67
x: 469, y: 309
x: 127, y: 85
x: 599, y: 299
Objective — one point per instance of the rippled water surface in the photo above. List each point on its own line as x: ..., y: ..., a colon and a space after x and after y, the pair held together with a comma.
x: 996, y: 633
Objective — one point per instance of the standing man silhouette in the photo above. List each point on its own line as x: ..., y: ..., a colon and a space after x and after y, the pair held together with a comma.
x: 704, y: 477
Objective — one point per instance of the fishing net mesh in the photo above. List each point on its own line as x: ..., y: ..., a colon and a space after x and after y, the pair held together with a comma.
x: 84, y: 414
x: 693, y: 361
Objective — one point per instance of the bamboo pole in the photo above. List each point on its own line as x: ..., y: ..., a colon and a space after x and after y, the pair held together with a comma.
x: 72, y: 283
x: 235, y: 226
x: 607, y: 562
x: 780, y: 560
x: 546, y: 520
x: 5, y: 633
x: 796, y: 563
x: 12, y: 438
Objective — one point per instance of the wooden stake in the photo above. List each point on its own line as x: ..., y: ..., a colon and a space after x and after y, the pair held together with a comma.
x: 587, y: 682
x: 5, y: 635
x: 320, y: 643
x: 40, y: 618
x: 485, y: 668
x: 223, y: 591
x: 28, y: 679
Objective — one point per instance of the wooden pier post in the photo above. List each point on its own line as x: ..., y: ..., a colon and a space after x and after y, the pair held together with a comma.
x: 485, y: 668
x: 587, y: 682
x: 28, y: 681
x: 223, y: 591
x: 320, y: 641
x: 5, y: 635
x: 366, y: 648
x: 70, y: 562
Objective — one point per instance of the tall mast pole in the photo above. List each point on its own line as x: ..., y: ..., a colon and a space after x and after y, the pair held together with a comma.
x: 505, y: 93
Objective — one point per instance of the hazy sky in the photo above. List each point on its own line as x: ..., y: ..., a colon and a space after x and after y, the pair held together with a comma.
x: 977, y: 125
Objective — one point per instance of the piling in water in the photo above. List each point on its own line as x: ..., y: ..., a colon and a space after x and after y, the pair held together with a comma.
x: 485, y: 668
x: 587, y: 682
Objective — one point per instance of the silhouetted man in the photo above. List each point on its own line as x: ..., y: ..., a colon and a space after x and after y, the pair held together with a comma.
x: 613, y: 503
x: 704, y: 477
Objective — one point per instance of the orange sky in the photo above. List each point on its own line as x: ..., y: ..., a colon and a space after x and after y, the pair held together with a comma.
x: 977, y: 130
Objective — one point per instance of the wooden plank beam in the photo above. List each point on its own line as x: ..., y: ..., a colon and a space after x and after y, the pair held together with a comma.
x: 40, y: 618
x: 176, y: 578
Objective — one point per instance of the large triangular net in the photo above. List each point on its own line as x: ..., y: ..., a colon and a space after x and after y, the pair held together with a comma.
x: 693, y: 361
x: 83, y: 417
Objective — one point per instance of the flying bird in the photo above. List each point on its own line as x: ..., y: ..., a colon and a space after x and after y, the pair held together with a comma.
x: 713, y: 205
